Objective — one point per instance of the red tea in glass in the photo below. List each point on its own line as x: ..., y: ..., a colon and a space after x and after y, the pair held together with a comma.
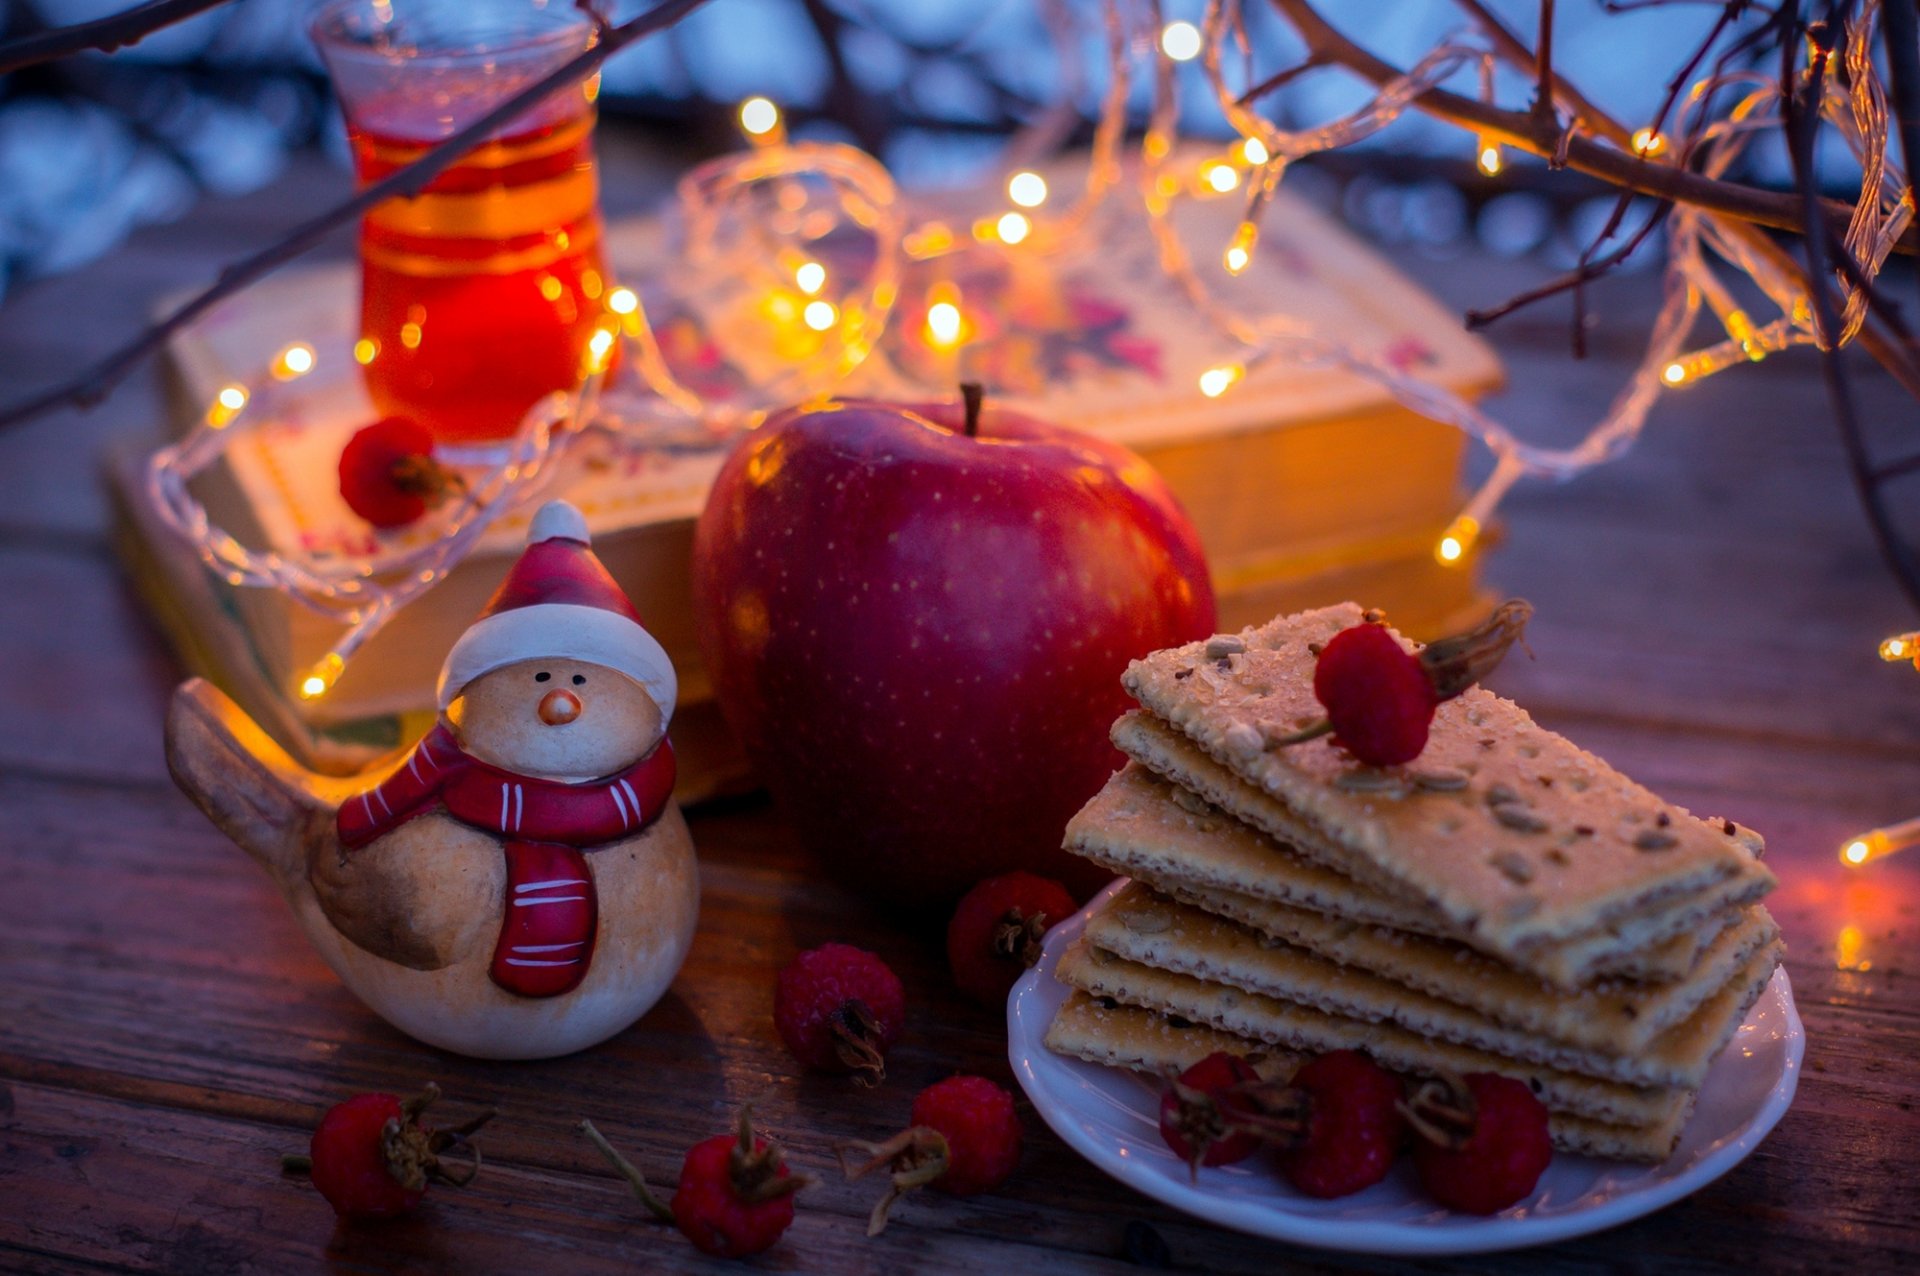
x: 478, y: 296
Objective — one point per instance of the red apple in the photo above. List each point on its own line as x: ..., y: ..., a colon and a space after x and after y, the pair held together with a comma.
x: 918, y: 632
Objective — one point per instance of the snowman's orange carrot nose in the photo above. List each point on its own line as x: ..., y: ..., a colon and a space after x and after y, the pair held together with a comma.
x: 557, y: 708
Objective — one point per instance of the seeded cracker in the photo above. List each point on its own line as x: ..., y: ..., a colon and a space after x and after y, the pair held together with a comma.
x: 1290, y: 1026
x: 1440, y: 846
x: 1141, y: 826
x: 1145, y: 1041
x: 1155, y: 932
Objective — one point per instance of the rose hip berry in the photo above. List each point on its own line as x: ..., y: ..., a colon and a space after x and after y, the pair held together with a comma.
x: 735, y: 1197
x: 1377, y: 695
x: 1202, y: 1112
x: 1353, y: 1125
x: 388, y: 475
x: 372, y: 1157
x: 996, y: 930
x: 1380, y: 698
x: 1484, y: 1141
x: 839, y: 1009
x: 964, y: 1140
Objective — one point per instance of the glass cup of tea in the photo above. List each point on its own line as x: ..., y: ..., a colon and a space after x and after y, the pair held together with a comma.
x: 478, y: 296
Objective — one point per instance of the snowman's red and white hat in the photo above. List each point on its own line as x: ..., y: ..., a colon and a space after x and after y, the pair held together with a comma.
x: 559, y: 602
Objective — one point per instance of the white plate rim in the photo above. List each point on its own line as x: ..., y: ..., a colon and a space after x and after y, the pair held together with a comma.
x: 1030, y: 1009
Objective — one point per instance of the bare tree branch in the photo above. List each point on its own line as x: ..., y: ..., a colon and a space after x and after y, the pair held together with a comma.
x: 1901, y: 37
x: 1588, y: 270
x: 1519, y: 130
x: 95, y: 382
x: 1279, y: 80
x: 103, y: 35
x: 1896, y: 354
x: 1543, y: 68
x: 1802, y: 97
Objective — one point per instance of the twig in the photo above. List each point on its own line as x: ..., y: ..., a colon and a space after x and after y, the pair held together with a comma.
x: 1519, y: 130
x: 1279, y: 80
x: 1585, y: 272
x: 1897, y: 354
x: 1543, y: 68
x: 1900, y: 31
x: 1510, y: 47
x: 1800, y: 116
x: 103, y: 35
x: 94, y: 383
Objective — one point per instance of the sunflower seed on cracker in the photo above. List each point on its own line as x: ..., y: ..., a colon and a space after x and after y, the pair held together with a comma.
x: 1513, y: 866
x: 1518, y: 818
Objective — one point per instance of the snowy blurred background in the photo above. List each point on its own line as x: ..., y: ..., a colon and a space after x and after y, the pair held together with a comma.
x: 95, y: 146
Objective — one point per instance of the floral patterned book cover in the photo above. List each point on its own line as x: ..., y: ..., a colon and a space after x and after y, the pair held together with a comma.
x: 1096, y: 337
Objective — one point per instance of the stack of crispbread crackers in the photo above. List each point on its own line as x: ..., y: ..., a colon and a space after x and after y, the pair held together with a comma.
x: 1505, y: 903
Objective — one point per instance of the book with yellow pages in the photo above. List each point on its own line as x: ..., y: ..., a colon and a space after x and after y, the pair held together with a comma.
x: 1306, y: 484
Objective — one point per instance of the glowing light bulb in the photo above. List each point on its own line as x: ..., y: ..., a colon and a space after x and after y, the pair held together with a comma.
x: 295, y: 361
x: 1012, y: 228
x: 1489, y: 158
x: 1901, y: 647
x: 811, y: 276
x: 1457, y: 540
x: 1029, y: 190
x: 1239, y: 253
x: 1674, y: 373
x: 930, y: 240
x: 623, y: 301
x: 820, y: 315
x: 1740, y: 327
x: 599, y: 345
x: 1216, y: 381
x: 365, y: 349
x: 759, y: 117
x: 1254, y: 151
x: 1180, y: 41
x: 226, y: 405
x: 943, y: 325
x: 1222, y: 177
x: 321, y: 677
x: 1648, y: 143
x: 1875, y: 844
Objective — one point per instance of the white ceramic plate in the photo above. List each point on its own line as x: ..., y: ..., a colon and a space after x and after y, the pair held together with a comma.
x: 1111, y: 1117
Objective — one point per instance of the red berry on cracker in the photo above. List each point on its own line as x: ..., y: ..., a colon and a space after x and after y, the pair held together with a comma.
x: 371, y: 1157
x: 388, y: 475
x: 996, y: 930
x: 839, y: 1009
x: 1483, y: 1144
x: 964, y: 1140
x: 1380, y: 697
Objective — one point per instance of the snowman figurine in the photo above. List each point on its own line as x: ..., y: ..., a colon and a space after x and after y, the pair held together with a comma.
x: 521, y: 884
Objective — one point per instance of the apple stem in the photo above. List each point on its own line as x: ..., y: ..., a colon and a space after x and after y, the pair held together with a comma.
x: 972, y: 393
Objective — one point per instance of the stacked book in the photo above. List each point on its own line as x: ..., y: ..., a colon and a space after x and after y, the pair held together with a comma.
x: 1506, y: 903
x: 1305, y: 484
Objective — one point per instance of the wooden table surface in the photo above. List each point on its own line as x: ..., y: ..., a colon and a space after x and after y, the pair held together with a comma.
x: 1708, y: 609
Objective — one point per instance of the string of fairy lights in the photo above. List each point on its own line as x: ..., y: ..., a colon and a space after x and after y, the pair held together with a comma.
x: 766, y: 246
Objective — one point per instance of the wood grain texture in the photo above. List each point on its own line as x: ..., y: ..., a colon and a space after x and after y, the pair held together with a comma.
x: 1707, y: 613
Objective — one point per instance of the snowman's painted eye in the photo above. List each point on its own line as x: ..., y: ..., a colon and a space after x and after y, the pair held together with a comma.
x: 542, y: 676
x: 579, y: 678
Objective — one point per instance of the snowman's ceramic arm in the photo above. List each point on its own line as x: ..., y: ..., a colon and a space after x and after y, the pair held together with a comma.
x: 256, y: 794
